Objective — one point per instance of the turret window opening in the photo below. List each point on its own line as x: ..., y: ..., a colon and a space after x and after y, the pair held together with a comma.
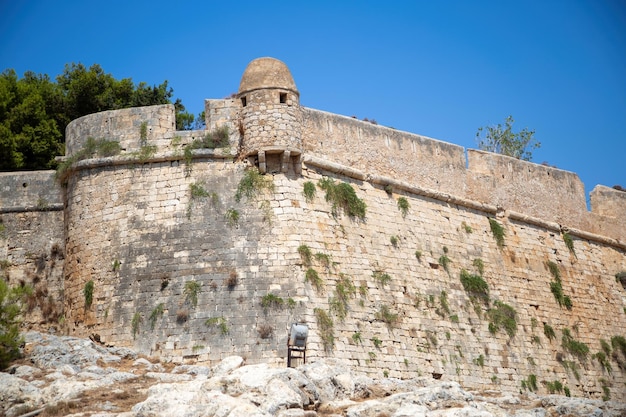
x: 243, y: 101
x: 283, y: 98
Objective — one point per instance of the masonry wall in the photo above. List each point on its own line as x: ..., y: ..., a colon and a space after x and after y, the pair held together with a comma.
x: 32, y: 243
x: 140, y: 228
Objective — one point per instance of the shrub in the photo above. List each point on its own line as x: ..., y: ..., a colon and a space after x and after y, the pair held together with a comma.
x: 554, y: 270
x: 265, y: 330
x: 480, y: 360
x: 232, y: 279
x: 356, y: 338
x: 554, y: 386
x: 394, y: 241
x: 88, y: 292
x: 217, y: 138
x: 342, y: 196
x: 12, y: 305
x: 502, y: 315
x: 475, y: 286
x: 309, y: 191
x: 191, y: 290
x: 253, y: 183
x: 403, y: 206
x: 325, y: 325
x: 498, y: 232
x: 313, y: 277
x: 418, y: 255
x: 468, y: 229
x: 603, y: 361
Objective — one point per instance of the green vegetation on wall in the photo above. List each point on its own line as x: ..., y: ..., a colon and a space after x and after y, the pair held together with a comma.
x: 343, y: 197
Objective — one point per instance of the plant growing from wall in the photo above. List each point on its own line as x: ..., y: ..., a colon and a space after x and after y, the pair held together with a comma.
x: 343, y: 197
x: 271, y: 300
x: 479, y: 265
x: 602, y: 359
x: 313, y: 277
x: 605, y: 389
x: 219, y: 323
x: 418, y: 255
x: 576, y: 348
x: 556, y: 286
x: 143, y: 134
x: 503, y: 316
x: 475, y: 286
x: 498, y: 232
x: 191, y: 291
x: 468, y: 229
x: 325, y: 327
x: 619, y: 345
x: 115, y: 266
x: 394, y: 241
x: 305, y: 254
x: 91, y: 149
x: 403, y: 206
x: 135, y: 323
x: 323, y: 259
x: 530, y: 383
x: 554, y: 386
x: 88, y: 293
x: 265, y: 330
x: 480, y: 361
x: 385, y: 315
x: 344, y: 290
x: 548, y: 331
x: 156, y: 313
x: 356, y: 338
x: 382, y: 277
x: 443, y: 303
x: 232, y: 217
x: 12, y: 305
x: 377, y: 342
x: 444, y: 261
x: 309, y: 191
x: 252, y: 184
x: 569, y: 242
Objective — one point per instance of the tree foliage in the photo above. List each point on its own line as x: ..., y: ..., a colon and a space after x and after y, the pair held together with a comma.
x: 501, y: 139
x: 35, y: 110
x: 11, y: 307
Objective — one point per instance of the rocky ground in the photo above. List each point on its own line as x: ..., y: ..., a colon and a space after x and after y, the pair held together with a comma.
x: 66, y: 376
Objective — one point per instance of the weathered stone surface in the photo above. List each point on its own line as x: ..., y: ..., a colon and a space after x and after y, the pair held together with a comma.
x: 256, y: 390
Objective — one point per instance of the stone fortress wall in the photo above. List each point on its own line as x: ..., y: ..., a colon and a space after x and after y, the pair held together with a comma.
x: 133, y: 226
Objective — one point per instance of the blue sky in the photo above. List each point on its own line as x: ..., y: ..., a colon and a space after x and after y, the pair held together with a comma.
x: 437, y: 68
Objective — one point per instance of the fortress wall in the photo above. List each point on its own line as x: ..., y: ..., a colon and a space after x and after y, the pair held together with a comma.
x: 384, y: 151
x: 608, y: 202
x: 146, y: 219
x: 535, y: 190
x: 140, y: 236
x: 122, y: 125
x: 32, y: 242
x: 430, y: 339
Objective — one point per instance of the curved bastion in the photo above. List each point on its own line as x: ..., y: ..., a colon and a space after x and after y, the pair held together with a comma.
x: 194, y: 252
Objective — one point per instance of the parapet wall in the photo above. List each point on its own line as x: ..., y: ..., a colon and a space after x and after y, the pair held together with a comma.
x: 123, y: 126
